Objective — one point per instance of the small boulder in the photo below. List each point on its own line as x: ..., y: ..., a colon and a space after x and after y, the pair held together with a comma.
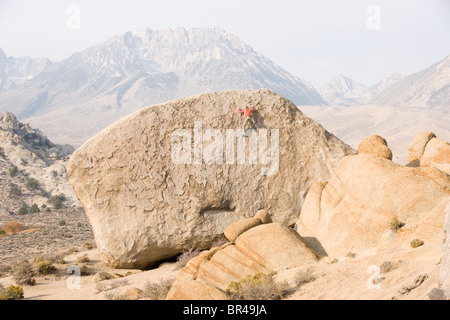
x: 134, y: 294
x: 437, y: 155
x: 417, y: 147
x: 375, y: 145
x: 233, y: 231
x: 103, y: 276
x: 264, y: 216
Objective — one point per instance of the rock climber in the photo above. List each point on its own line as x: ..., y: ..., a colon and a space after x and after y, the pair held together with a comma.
x: 247, y: 116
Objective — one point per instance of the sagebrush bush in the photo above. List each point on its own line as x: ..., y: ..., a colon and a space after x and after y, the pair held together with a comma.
x: 23, y: 274
x: 2, y: 232
x: 14, y: 190
x: 417, y: 243
x: 115, y: 296
x: 88, y: 246
x: 84, y: 271
x: 32, y: 184
x: 34, y: 209
x: 83, y: 259
x: 13, y: 171
x: 44, y: 266
x: 62, y: 223
x: 395, y: 224
x: 57, y: 201
x: 12, y: 293
x: 73, y: 250
x: 258, y: 287
x: 186, y: 256
x: 158, y: 290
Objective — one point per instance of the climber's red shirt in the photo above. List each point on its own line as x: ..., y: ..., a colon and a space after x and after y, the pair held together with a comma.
x: 247, y: 113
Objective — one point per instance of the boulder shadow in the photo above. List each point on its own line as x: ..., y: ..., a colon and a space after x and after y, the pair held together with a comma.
x: 314, y: 244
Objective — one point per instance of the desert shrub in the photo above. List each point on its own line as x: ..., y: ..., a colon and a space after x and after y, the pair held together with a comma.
x: 351, y: 255
x: 84, y: 271
x: 186, y: 256
x: 2, y: 153
x: 23, y: 274
x: 23, y: 210
x: 158, y: 290
x: 83, y: 259
x: 13, y: 171
x: 62, y: 223
x: 57, y: 201
x: 395, y: 224
x: 387, y: 266
x: 48, y: 210
x: 73, y: 250
x: 2, y: 232
x: 14, y: 190
x: 23, y: 162
x: 58, y: 259
x: 115, y: 296
x: 34, y: 209
x: 44, y: 266
x: 79, y: 225
x: 32, y: 184
x: 304, y: 277
x: 11, y: 293
x: 13, y: 227
x: 417, y: 243
x: 258, y: 287
x: 88, y: 246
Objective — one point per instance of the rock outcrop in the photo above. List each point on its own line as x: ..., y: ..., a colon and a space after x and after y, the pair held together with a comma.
x: 36, y: 157
x: 150, y: 193
x: 444, y: 279
x: 375, y: 145
x: 437, y: 155
x: 428, y: 151
x: 417, y: 147
x: 353, y: 210
x: 264, y: 249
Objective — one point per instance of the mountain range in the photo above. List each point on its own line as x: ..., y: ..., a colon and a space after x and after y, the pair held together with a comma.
x: 73, y: 99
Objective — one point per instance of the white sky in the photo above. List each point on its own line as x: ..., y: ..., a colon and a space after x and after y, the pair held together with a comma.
x: 315, y: 40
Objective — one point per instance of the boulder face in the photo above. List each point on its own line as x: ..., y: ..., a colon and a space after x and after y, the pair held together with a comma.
x: 437, y: 155
x: 417, y: 147
x: 375, y: 145
x: 264, y: 249
x: 353, y: 211
x: 173, y: 176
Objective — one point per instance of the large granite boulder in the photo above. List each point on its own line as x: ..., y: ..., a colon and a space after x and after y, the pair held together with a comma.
x: 172, y: 177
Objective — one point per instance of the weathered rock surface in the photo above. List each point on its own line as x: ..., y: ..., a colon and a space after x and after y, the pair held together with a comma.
x: 375, y: 145
x: 444, y: 279
x: 353, y: 211
x: 263, y: 249
x: 437, y: 155
x: 417, y: 147
x: 144, y: 207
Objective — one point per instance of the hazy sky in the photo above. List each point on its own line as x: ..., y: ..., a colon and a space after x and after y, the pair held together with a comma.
x: 314, y: 40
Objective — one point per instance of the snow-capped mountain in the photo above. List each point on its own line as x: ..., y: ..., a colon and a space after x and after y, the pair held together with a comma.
x: 15, y: 71
x: 429, y: 88
x: 342, y: 91
x: 77, y: 97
